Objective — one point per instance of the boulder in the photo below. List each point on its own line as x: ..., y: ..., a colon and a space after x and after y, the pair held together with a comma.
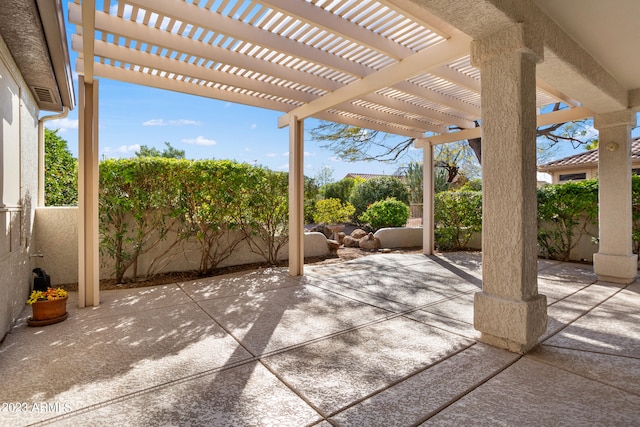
x: 333, y: 246
x: 370, y: 243
x: 358, y: 233
x: 341, y: 237
x: 351, y: 242
x: 322, y: 228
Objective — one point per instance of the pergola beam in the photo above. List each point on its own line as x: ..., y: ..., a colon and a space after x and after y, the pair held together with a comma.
x: 330, y: 22
x: 200, y: 17
x: 88, y: 37
x: 163, y: 39
x: 162, y: 63
x: 561, y: 116
x: 429, y: 114
x: 445, y: 51
x: 145, y: 79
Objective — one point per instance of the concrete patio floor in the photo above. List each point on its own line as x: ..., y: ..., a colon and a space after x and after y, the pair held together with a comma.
x: 383, y: 340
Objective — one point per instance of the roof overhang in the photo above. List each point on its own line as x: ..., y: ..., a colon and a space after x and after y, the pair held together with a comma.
x: 34, y: 32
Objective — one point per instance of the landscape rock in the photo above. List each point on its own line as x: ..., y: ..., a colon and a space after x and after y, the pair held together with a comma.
x: 358, y: 233
x: 322, y: 228
x: 333, y: 246
x: 370, y: 243
x: 351, y: 242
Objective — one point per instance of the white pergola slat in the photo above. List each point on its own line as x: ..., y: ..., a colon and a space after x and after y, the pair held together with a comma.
x: 386, y: 64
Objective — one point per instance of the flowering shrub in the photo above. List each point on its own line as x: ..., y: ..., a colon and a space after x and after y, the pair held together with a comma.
x: 48, y: 295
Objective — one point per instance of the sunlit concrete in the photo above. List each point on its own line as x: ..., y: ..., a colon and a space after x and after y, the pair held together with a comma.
x: 385, y: 339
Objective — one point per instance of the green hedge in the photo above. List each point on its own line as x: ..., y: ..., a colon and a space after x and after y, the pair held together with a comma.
x: 565, y: 211
x: 457, y: 217
x: 218, y: 203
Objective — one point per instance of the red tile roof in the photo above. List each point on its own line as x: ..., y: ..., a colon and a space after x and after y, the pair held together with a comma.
x: 587, y: 158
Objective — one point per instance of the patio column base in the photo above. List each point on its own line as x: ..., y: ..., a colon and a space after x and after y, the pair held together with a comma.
x: 510, y: 324
x: 615, y: 268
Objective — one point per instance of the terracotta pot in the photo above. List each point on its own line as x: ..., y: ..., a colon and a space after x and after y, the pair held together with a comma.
x: 48, y: 312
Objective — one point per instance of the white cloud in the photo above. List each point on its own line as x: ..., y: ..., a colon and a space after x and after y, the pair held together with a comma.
x: 123, y: 149
x: 306, y: 154
x: 253, y: 126
x: 200, y: 140
x: 162, y: 122
x: 62, y: 124
x: 590, y: 132
x: 271, y: 155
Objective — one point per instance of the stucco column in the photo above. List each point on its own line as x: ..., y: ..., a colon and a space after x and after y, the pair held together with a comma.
x: 615, y: 261
x: 427, y: 200
x: 509, y: 311
x: 88, y: 237
x: 296, y: 197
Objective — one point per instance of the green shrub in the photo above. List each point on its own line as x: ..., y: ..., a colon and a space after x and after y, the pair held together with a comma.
x: 457, y: 217
x: 635, y: 200
x: 386, y: 213
x: 210, y: 201
x: 264, y: 211
x: 60, y: 171
x: 472, y: 185
x: 137, y: 208
x: 376, y: 189
x: 333, y: 211
x: 564, y: 213
x: 311, y: 196
x: 338, y: 190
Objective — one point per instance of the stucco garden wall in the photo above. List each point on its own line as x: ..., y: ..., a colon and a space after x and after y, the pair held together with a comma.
x: 57, y: 241
x: 16, y: 221
x: 56, y: 238
x: 583, y: 251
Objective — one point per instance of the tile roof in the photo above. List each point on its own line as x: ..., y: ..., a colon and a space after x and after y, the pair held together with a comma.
x: 587, y: 158
x: 368, y: 176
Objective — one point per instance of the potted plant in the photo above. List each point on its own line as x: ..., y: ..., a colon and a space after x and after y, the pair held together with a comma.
x: 334, y: 214
x: 48, y: 307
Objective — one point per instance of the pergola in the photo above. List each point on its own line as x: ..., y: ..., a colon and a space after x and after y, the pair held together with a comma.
x: 417, y: 68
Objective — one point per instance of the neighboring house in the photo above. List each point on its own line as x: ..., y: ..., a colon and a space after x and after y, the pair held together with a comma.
x: 584, y: 165
x: 35, y: 75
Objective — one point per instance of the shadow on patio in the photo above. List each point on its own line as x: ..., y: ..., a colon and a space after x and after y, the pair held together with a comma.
x: 384, y: 340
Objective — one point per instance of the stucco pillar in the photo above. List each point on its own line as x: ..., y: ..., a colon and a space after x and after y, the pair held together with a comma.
x: 296, y: 197
x: 427, y: 200
x: 615, y: 261
x: 88, y: 237
x: 509, y: 311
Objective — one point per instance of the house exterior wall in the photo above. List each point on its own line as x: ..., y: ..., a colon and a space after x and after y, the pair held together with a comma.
x: 590, y: 172
x: 16, y: 213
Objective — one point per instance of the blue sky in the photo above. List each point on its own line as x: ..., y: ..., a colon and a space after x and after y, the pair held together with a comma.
x: 131, y: 116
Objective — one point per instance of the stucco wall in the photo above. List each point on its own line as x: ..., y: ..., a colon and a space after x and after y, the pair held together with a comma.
x: 16, y: 266
x: 582, y: 251
x: 56, y: 237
